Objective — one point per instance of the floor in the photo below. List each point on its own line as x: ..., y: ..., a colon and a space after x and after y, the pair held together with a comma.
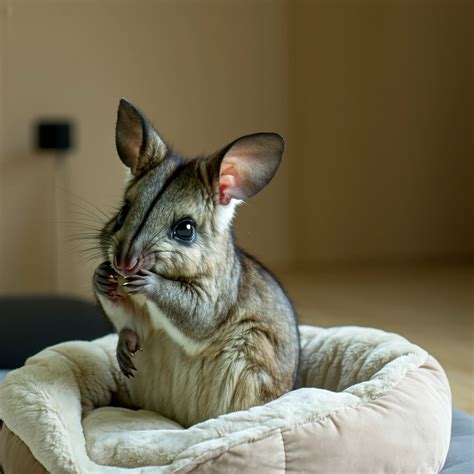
x: 431, y: 305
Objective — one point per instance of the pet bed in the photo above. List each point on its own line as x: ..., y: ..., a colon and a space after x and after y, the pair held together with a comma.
x: 371, y: 402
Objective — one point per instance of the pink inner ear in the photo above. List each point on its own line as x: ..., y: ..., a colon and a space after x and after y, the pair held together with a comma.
x: 228, y: 182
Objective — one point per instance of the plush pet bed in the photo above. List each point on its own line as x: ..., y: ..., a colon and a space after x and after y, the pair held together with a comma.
x: 372, y: 402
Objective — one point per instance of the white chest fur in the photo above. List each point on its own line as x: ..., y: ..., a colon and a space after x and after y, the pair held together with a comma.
x: 182, y: 379
x: 168, y: 377
x: 160, y: 321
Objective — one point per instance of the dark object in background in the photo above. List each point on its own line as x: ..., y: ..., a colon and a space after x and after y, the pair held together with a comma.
x: 29, y: 324
x: 54, y: 135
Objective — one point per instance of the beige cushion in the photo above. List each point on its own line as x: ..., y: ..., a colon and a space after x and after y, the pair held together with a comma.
x: 381, y: 405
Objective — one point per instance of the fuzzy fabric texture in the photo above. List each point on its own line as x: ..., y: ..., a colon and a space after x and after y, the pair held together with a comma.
x: 59, y: 405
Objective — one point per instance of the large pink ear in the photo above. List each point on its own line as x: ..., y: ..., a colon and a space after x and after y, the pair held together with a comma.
x: 248, y: 164
x: 138, y: 144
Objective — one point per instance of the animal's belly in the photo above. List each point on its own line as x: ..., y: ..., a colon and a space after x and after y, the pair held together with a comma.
x: 182, y: 379
x: 170, y: 382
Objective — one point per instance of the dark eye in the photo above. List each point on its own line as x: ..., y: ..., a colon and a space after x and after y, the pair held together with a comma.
x: 122, y: 216
x: 184, y: 230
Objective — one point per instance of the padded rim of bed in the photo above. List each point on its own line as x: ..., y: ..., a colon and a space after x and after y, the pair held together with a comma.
x: 382, y: 405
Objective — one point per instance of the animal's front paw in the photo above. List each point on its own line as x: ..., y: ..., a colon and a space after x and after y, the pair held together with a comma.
x: 142, y: 283
x: 126, y: 348
x: 106, y: 281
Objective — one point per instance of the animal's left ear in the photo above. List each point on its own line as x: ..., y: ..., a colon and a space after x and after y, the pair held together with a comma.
x: 247, y: 165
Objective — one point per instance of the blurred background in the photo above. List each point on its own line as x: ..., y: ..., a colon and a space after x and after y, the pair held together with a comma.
x: 369, y: 220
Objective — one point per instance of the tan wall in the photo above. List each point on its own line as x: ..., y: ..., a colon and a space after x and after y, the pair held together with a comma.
x: 2, y: 135
x: 375, y: 99
x: 383, y: 110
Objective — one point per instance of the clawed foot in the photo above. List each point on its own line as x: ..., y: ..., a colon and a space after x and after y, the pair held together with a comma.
x: 126, y: 348
x: 106, y: 282
x: 142, y: 283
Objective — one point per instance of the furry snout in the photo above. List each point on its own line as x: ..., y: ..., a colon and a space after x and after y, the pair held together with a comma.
x: 128, y: 264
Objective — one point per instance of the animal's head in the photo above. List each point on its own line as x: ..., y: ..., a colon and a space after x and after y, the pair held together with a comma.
x: 177, y: 213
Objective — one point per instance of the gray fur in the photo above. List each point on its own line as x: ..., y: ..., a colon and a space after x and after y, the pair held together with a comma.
x: 228, y: 307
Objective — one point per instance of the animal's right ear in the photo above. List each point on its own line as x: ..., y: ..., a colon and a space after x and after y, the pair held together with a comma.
x: 138, y: 144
